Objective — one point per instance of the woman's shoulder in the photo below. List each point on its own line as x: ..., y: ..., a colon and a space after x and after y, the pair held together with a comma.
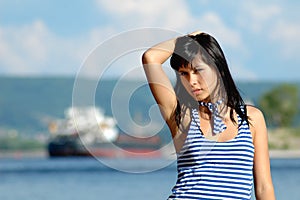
x: 254, y: 113
x: 257, y: 122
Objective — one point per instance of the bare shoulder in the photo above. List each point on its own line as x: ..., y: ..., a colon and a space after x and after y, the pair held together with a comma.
x: 254, y: 113
x: 257, y: 122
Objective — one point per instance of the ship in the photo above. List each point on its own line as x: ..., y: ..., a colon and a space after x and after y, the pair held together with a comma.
x: 87, y: 131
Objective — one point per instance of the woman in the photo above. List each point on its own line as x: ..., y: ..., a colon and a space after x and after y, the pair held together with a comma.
x: 221, y: 144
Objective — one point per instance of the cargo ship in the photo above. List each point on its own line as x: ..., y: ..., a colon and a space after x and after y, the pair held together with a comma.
x: 86, y: 131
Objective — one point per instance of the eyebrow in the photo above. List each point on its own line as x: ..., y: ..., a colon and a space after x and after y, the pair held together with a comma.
x: 200, y: 65
x: 182, y: 69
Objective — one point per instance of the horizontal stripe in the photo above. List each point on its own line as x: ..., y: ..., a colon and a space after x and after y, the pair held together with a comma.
x: 215, y: 162
x: 215, y: 170
x: 216, y: 152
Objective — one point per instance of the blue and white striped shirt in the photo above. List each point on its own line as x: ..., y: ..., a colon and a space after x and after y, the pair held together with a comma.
x: 215, y: 170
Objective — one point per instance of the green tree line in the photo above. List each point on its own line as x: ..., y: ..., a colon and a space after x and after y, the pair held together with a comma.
x: 280, y: 105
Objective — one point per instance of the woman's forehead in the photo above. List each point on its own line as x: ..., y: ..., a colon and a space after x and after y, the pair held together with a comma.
x: 198, y: 61
x: 195, y: 63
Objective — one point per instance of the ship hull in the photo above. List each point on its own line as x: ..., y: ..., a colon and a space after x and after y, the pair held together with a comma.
x: 125, y: 146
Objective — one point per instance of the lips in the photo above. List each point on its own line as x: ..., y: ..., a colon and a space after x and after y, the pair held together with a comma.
x: 196, y: 91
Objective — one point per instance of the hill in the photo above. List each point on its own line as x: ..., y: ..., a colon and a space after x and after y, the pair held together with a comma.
x: 27, y: 104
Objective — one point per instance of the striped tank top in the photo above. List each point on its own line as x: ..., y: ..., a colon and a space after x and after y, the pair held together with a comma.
x: 214, y: 170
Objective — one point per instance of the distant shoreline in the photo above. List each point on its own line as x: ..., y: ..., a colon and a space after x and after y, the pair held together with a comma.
x: 274, y: 154
x: 284, y: 153
x: 23, y: 154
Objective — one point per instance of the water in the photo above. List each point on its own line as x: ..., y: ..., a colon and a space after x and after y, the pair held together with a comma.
x: 89, y: 179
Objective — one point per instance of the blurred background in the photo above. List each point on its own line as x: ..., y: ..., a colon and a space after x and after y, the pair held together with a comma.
x: 45, y: 153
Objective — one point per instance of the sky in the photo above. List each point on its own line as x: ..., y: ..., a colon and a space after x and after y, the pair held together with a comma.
x: 55, y: 38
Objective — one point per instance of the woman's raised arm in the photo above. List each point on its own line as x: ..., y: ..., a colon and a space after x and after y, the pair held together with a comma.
x: 159, y: 82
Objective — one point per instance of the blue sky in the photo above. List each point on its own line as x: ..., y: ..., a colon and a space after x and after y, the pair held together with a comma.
x: 50, y: 37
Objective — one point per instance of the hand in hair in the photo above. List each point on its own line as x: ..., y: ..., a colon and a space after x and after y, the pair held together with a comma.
x: 195, y: 33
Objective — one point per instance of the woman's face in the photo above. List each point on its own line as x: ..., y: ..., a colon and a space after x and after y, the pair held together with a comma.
x: 199, y: 79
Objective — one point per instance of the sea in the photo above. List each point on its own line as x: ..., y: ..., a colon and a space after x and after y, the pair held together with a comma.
x: 89, y: 178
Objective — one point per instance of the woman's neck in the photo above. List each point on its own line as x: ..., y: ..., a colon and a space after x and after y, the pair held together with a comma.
x: 204, y: 112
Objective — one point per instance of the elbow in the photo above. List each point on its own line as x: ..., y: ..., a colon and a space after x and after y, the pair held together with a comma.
x: 265, y: 193
x: 146, y: 57
x: 151, y: 57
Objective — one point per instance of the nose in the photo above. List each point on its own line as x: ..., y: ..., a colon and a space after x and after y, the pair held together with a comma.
x: 193, y: 78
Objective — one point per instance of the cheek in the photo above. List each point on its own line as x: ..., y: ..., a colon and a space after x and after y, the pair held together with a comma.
x: 210, y: 80
x: 186, y: 85
x: 184, y: 82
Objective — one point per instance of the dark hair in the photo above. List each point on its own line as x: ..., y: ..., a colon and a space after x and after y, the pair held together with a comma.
x: 186, y: 49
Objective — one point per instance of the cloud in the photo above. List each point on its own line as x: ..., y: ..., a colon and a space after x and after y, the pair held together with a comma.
x: 273, y: 22
x: 136, y: 13
x: 33, y: 49
x: 26, y: 49
x: 256, y: 16
x: 22, y: 48
x: 172, y: 14
x: 217, y: 27
x: 120, y: 55
x: 287, y: 33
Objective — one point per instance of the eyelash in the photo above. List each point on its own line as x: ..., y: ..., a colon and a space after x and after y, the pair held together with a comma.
x: 182, y: 73
x: 185, y: 73
x: 198, y: 70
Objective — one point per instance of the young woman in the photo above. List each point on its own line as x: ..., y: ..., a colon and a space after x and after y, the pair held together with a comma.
x: 221, y: 143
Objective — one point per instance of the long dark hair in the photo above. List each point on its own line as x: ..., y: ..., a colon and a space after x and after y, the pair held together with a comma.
x: 186, y: 49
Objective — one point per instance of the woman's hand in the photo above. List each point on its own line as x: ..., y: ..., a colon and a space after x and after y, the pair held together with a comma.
x: 195, y: 33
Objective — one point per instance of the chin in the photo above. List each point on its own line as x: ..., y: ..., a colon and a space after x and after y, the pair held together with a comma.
x: 203, y: 98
